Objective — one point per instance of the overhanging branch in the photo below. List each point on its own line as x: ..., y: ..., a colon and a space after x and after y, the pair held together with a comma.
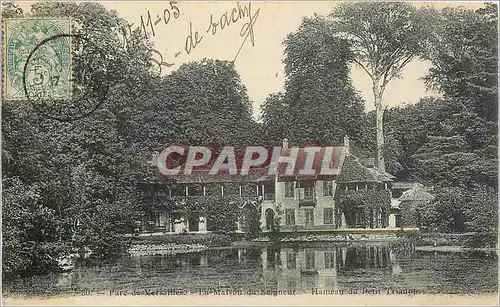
x: 364, y: 68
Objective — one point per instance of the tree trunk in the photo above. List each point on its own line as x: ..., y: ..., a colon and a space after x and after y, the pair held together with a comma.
x: 380, y: 139
x: 379, y: 155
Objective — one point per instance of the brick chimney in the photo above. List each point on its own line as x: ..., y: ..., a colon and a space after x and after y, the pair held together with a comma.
x: 285, y: 143
x: 154, y: 158
x: 346, y: 143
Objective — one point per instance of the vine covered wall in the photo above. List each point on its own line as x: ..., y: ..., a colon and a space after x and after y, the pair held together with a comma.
x: 222, y: 211
x: 367, y: 199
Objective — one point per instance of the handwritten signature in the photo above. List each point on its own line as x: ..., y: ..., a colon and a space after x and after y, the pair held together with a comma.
x: 225, y: 20
x: 149, y: 28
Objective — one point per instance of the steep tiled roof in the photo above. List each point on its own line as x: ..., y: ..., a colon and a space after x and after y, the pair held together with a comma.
x: 354, y: 171
x: 368, y: 162
x: 381, y: 176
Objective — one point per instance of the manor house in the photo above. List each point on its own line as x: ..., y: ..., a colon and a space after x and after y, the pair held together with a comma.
x: 354, y: 195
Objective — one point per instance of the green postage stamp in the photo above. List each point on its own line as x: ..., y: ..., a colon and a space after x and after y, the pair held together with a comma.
x: 37, y: 59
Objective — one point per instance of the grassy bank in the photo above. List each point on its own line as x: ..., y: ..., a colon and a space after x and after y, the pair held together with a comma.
x: 461, y: 240
x: 208, y: 239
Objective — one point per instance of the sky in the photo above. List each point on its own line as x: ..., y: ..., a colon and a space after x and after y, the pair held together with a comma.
x: 259, y: 61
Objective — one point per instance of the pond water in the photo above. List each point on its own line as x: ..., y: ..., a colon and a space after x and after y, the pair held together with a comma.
x: 296, y: 268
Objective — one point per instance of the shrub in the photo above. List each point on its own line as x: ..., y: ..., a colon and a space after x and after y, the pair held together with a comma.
x: 481, y: 239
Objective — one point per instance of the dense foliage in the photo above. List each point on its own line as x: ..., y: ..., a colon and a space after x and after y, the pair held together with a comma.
x: 376, y: 200
x: 70, y: 186
x: 451, y: 143
x: 318, y: 91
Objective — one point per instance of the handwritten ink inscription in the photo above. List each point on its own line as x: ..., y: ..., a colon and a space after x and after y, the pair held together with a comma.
x: 150, y: 27
x: 218, y: 24
x: 192, y: 40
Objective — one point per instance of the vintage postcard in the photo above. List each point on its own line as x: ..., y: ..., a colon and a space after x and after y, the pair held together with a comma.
x: 249, y: 153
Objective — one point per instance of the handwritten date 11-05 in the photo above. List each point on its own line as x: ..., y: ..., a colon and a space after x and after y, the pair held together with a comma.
x: 168, y: 13
x: 148, y: 24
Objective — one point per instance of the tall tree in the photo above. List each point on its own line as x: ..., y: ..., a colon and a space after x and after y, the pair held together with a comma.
x: 210, y: 102
x: 322, y: 103
x: 464, y: 54
x: 385, y: 37
x: 276, y: 117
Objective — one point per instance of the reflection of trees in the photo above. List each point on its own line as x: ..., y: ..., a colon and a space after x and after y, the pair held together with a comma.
x: 365, y: 266
x: 454, y: 272
x: 273, y: 256
x: 366, y: 257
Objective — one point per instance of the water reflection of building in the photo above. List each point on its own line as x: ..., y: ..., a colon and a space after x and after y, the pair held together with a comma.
x: 309, y: 268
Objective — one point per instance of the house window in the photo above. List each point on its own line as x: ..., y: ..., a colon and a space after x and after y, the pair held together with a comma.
x: 309, y: 193
x: 161, y: 194
x: 158, y: 219
x: 213, y: 189
x: 328, y: 216
x: 307, y: 190
x: 289, y: 185
x: 398, y: 220
x: 269, y: 192
x: 310, y: 261
x: 178, y: 190
x: 328, y: 188
x: 195, y: 190
x: 290, y: 216
x: 397, y: 193
x: 291, y: 260
x: 309, y: 216
x: 232, y: 189
x: 360, y: 218
x: 248, y: 190
x: 329, y: 260
x: 291, y: 284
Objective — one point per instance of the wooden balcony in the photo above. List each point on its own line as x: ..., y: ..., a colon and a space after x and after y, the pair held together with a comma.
x: 308, y: 200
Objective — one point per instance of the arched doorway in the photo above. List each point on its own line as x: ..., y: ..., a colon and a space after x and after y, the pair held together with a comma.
x: 269, y: 219
x: 194, y: 223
